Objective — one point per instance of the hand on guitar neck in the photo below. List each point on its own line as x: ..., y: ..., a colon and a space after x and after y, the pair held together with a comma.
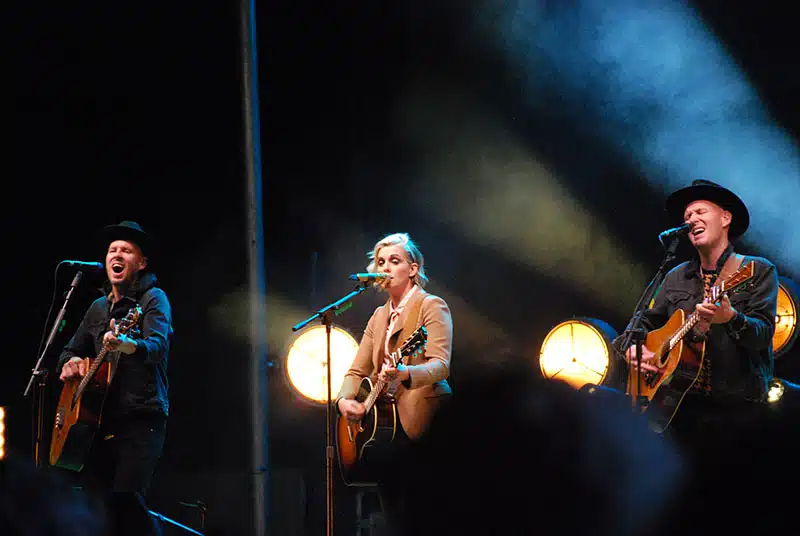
x: 713, y: 313
x: 397, y: 373
x: 113, y: 340
x: 118, y: 342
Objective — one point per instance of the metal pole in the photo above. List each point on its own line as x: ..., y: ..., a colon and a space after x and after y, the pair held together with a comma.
x: 256, y: 272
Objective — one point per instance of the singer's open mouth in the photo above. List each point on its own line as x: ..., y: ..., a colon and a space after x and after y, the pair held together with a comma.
x: 117, y: 268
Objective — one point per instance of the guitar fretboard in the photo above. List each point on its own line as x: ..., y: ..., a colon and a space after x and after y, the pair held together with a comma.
x: 373, y: 395
x: 378, y: 388
x: 717, y: 292
x: 413, y: 344
x: 124, y: 326
x: 690, y: 322
x: 89, y: 375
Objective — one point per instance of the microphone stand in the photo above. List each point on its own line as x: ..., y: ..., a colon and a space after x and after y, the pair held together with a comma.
x: 635, y: 333
x: 40, y: 375
x: 326, y: 315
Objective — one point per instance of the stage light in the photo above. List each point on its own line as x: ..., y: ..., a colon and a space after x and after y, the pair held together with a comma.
x: 782, y: 392
x: 578, y: 352
x: 786, y: 317
x: 2, y: 432
x: 776, y: 390
x: 306, y: 362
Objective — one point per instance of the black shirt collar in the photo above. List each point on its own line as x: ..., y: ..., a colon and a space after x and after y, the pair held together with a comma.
x: 141, y: 284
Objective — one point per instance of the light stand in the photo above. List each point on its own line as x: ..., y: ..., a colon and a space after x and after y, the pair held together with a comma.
x: 40, y: 375
x: 635, y: 333
x: 326, y: 315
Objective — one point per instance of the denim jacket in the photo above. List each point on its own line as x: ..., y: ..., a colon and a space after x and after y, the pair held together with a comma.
x: 740, y: 350
x: 140, y: 381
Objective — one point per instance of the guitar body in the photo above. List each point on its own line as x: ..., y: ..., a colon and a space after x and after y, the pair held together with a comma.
x: 354, y: 440
x: 80, y: 405
x: 679, y: 362
x: 679, y: 369
x: 77, y: 419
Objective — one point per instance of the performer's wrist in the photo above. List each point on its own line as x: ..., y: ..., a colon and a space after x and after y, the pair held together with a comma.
x: 738, y: 322
x: 128, y: 346
x: 403, y: 374
x: 698, y: 334
x: 701, y: 328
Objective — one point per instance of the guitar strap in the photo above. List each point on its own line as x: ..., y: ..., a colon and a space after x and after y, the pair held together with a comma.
x: 731, y: 265
x: 412, y: 320
x: 113, y: 361
x: 703, y: 382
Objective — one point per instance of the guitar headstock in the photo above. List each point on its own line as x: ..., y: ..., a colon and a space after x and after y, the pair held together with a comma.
x: 738, y: 278
x: 130, y: 321
x: 414, y: 344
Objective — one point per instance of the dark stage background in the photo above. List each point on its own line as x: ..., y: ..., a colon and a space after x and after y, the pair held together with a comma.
x: 134, y: 112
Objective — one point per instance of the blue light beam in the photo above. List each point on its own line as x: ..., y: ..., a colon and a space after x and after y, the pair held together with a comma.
x: 650, y: 78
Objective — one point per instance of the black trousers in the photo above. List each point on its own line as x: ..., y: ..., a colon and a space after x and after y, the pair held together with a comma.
x: 391, y: 493
x: 727, y: 458
x: 713, y: 432
x: 121, y: 465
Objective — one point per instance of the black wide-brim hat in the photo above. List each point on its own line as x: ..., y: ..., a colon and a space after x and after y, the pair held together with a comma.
x: 129, y: 231
x: 710, y: 191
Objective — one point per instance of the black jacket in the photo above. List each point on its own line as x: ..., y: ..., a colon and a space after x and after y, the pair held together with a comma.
x: 741, y: 350
x: 140, y: 381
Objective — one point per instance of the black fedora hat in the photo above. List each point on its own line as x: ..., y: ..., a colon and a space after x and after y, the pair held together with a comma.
x: 129, y: 231
x: 704, y: 190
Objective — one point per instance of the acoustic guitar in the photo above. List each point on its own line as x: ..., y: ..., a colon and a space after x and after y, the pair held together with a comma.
x: 378, y: 426
x: 679, y: 362
x: 80, y: 406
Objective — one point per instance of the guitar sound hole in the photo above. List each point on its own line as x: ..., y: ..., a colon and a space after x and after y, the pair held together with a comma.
x: 650, y: 378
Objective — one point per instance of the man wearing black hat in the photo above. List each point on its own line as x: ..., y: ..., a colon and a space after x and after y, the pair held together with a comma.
x: 129, y: 442
x: 726, y: 400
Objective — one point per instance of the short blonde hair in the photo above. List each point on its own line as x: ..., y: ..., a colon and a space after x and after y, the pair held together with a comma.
x: 413, y: 252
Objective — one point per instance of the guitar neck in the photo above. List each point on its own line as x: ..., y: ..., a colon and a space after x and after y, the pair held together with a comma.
x: 92, y: 371
x: 690, y: 322
x: 125, y: 325
x: 373, y: 395
x: 377, y: 389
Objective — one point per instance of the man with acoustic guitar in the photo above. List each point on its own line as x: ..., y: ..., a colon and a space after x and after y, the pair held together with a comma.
x: 416, y: 385
x: 722, y: 379
x: 122, y: 449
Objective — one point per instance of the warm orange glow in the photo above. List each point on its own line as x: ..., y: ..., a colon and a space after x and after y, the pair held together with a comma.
x: 306, y: 362
x: 776, y: 390
x: 576, y: 352
x: 785, y: 320
x: 2, y: 432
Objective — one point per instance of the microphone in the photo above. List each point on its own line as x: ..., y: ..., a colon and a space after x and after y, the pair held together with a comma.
x: 83, y: 265
x: 370, y: 277
x: 675, y: 231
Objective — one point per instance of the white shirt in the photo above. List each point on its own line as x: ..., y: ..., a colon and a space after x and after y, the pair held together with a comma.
x: 394, y: 315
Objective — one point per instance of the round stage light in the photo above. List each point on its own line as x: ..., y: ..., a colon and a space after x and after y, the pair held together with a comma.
x: 776, y: 390
x: 786, y: 317
x: 2, y: 432
x: 307, y: 362
x: 578, y: 352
